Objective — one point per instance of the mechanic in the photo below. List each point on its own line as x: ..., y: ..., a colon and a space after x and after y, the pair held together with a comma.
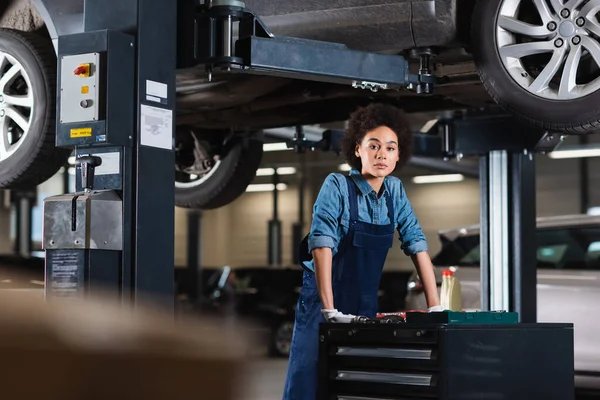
x: 354, y: 218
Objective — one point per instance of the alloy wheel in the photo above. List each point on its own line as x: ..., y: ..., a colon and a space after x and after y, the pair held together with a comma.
x: 551, y: 48
x: 283, y: 337
x: 16, y: 105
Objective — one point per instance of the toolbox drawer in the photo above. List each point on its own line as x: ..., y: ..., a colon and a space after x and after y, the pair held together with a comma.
x: 445, y: 361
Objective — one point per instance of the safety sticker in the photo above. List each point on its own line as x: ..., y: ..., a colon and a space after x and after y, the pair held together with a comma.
x: 81, y: 132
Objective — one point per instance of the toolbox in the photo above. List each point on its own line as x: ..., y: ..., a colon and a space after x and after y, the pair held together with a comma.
x: 422, y: 358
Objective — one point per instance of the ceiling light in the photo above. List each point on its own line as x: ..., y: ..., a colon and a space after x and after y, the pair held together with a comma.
x: 265, y: 171
x: 438, y: 178
x: 265, y: 187
x: 345, y: 167
x: 286, y: 170
x: 281, y: 146
x: 271, y: 171
x: 575, y: 153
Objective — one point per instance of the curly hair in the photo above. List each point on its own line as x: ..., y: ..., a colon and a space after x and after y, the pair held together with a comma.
x: 365, y: 119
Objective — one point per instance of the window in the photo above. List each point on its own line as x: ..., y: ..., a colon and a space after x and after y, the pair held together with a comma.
x: 556, y: 248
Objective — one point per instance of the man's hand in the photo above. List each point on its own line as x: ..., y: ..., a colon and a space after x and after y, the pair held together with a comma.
x: 337, y: 317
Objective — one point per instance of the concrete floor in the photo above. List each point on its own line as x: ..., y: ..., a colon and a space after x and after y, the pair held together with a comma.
x: 266, y: 379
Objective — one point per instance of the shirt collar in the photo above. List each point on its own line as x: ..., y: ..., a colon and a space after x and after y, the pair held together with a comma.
x: 363, y: 185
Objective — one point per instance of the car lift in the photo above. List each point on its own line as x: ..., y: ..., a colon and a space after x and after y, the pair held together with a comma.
x: 115, y: 106
x: 115, y: 102
x: 123, y: 142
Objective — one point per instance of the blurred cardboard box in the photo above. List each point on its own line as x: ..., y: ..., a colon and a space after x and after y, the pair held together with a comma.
x: 97, y: 350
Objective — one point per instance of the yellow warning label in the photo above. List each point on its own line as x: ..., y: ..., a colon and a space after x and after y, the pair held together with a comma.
x: 81, y: 132
x: 85, y: 89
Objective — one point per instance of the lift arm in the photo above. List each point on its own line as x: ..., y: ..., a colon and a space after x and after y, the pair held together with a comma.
x: 228, y: 37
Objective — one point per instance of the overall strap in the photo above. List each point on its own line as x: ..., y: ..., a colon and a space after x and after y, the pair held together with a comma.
x: 352, y: 196
x: 390, y: 206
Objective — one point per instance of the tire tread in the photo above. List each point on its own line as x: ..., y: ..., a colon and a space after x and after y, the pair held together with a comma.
x: 46, y: 159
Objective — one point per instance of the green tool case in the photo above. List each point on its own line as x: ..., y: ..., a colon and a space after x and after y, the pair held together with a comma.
x: 455, y: 317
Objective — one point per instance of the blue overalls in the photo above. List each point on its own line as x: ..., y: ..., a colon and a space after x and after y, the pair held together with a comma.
x: 356, y: 271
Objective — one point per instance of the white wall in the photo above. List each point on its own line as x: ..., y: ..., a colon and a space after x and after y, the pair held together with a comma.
x: 236, y: 235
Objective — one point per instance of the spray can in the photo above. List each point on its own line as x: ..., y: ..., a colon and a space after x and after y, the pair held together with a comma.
x: 450, y: 293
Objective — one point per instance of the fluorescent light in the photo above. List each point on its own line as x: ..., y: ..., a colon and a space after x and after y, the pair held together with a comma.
x: 345, y: 167
x: 71, y: 160
x: 593, y: 211
x: 282, y: 146
x: 286, y: 170
x: 428, y: 125
x: 265, y: 187
x: 438, y: 178
x: 265, y: 171
x: 271, y: 171
x: 575, y: 153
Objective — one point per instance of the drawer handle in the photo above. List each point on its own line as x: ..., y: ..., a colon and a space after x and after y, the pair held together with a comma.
x: 416, y: 354
x: 383, y: 377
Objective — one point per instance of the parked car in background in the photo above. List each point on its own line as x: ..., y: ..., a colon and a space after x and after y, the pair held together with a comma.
x: 568, y: 280
x: 539, y: 60
x: 267, y: 297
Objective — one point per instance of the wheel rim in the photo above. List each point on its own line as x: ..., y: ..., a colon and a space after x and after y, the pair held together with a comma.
x: 562, y: 39
x: 197, y: 180
x: 283, y: 337
x: 16, y: 105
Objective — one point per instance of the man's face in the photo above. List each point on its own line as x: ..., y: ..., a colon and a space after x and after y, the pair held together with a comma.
x: 378, y: 152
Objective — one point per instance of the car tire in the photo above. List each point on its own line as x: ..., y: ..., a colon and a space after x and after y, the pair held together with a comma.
x: 281, y: 339
x: 542, y: 106
x: 34, y: 157
x: 227, y: 181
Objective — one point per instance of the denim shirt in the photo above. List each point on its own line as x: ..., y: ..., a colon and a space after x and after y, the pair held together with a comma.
x: 331, y: 213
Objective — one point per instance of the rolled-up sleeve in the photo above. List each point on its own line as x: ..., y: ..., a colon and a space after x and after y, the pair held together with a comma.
x: 324, y: 231
x: 411, y: 235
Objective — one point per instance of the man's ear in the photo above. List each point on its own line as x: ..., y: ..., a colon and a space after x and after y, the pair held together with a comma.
x: 356, y: 150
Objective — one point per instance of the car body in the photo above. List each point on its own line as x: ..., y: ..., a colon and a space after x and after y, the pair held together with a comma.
x: 568, y: 280
x: 476, y: 46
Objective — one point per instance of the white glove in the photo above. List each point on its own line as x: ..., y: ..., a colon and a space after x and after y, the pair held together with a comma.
x: 337, y: 317
x: 435, y: 309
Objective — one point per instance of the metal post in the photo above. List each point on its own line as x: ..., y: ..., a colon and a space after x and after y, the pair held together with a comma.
x: 584, y: 178
x: 275, y: 226
x: 522, y: 233
x: 508, y: 213
x: 194, y: 252
x: 298, y: 228
x: 23, y: 201
x: 148, y: 174
x: 496, y: 237
x: 25, y: 216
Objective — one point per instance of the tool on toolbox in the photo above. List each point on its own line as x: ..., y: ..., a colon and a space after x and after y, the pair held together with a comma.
x: 451, y: 301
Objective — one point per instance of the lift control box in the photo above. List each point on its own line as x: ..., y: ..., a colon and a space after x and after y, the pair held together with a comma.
x: 80, y: 89
x: 397, y: 361
x: 94, y: 71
